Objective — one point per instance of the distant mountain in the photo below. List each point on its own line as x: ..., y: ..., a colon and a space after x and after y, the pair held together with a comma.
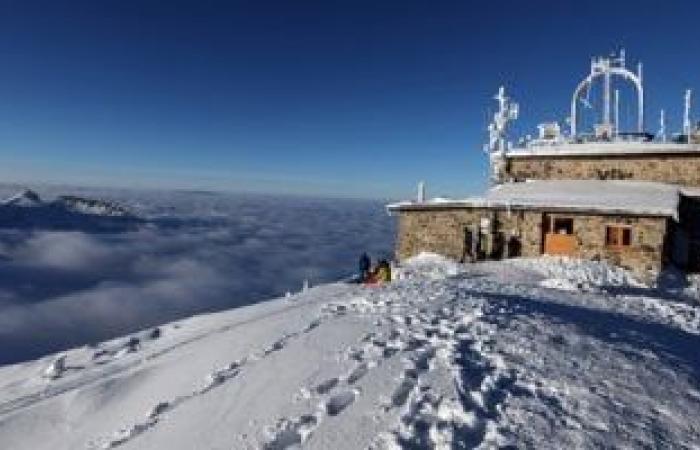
x: 26, y: 209
x: 27, y: 197
x: 92, y: 206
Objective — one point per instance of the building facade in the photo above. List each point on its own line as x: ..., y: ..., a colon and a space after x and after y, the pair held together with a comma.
x: 682, y: 168
x: 629, y: 198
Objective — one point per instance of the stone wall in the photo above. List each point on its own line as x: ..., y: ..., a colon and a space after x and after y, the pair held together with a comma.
x: 439, y: 231
x: 669, y: 168
x: 648, y: 249
x: 442, y: 231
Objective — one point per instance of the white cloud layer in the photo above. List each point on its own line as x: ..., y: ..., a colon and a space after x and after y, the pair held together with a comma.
x: 197, y: 252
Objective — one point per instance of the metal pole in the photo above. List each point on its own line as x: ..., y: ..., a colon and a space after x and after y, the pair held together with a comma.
x: 606, y: 97
x: 686, y: 113
x: 640, y: 118
x: 617, y: 111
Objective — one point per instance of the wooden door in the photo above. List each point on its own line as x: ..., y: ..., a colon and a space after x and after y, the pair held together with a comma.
x: 560, y: 244
x: 559, y: 238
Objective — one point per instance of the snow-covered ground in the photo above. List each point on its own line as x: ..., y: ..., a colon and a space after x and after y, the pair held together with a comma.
x: 448, y: 356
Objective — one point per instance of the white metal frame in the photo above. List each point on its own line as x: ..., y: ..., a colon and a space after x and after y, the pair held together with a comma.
x: 606, y: 68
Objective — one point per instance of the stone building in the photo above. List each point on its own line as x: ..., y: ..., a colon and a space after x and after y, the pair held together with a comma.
x: 632, y: 199
x: 665, y: 163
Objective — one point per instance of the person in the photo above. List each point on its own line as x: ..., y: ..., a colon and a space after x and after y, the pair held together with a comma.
x: 383, y: 273
x: 364, y: 264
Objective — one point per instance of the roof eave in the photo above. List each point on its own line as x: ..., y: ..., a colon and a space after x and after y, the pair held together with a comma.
x: 608, y: 211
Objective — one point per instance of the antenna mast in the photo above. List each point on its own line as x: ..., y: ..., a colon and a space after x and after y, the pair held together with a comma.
x: 605, y: 68
x: 421, y: 192
x: 617, y: 111
x: 496, y: 147
x: 640, y: 113
x: 686, y: 113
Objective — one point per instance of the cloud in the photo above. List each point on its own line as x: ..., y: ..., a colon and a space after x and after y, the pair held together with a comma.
x: 196, y: 254
x: 64, y: 250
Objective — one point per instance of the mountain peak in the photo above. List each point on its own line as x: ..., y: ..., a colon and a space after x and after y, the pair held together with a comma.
x: 26, y: 197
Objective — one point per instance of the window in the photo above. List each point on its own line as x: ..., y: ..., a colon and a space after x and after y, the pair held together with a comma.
x: 563, y: 225
x: 618, y: 236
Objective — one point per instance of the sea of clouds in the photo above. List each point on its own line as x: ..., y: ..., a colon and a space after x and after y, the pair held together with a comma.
x: 194, y: 252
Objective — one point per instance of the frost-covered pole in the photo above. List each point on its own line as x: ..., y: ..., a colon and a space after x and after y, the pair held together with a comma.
x: 640, y: 113
x: 496, y: 148
x: 606, y: 95
x: 662, y: 126
x: 617, y: 111
x: 686, y: 113
x: 421, y: 192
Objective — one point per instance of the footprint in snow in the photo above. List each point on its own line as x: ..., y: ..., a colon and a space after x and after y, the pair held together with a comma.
x: 357, y: 373
x: 312, y: 325
x: 276, y: 346
x: 402, y: 391
x: 326, y: 386
x: 338, y: 402
x: 291, y: 434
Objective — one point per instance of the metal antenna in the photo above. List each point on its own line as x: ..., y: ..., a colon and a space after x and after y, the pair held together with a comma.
x: 507, y: 112
x: 640, y: 105
x: 605, y: 68
x: 686, y: 113
x: 421, y: 192
x: 617, y: 109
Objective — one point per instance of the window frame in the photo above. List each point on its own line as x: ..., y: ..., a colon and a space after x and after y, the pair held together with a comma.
x: 569, y: 227
x: 619, y: 231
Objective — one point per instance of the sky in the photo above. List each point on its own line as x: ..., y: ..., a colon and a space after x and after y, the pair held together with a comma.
x: 331, y: 98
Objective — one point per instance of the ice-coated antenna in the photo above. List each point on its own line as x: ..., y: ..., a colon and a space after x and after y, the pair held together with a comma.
x: 421, y: 192
x: 604, y: 68
x: 686, y: 112
x: 507, y: 112
x: 497, y: 144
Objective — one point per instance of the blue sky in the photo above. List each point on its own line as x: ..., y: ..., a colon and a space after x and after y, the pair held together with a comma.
x: 351, y: 98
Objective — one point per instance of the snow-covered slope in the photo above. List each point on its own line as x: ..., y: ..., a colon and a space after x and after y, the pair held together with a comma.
x: 484, y: 355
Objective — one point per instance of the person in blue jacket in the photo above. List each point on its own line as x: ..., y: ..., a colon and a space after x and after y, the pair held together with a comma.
x: 365, y: 264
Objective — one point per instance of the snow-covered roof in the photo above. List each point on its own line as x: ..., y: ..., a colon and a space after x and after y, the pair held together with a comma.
x: 603, y: 148
x: 607, y: 196
x: 689, y: 191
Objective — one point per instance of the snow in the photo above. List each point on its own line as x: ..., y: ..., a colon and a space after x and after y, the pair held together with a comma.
x: 577, y: 274
x: 56, y: 368
x: 610, y: 196
x: 449, y: 356
x: 96, y: 207
x: 693, y: 287
x: 633, y: 196
x: 426, y: 265
x: 690, y: 191
x: 603, y: 148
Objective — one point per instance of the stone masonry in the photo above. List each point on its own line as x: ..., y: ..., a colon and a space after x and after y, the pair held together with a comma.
x: 674, y: 168
x: 443, y: 231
